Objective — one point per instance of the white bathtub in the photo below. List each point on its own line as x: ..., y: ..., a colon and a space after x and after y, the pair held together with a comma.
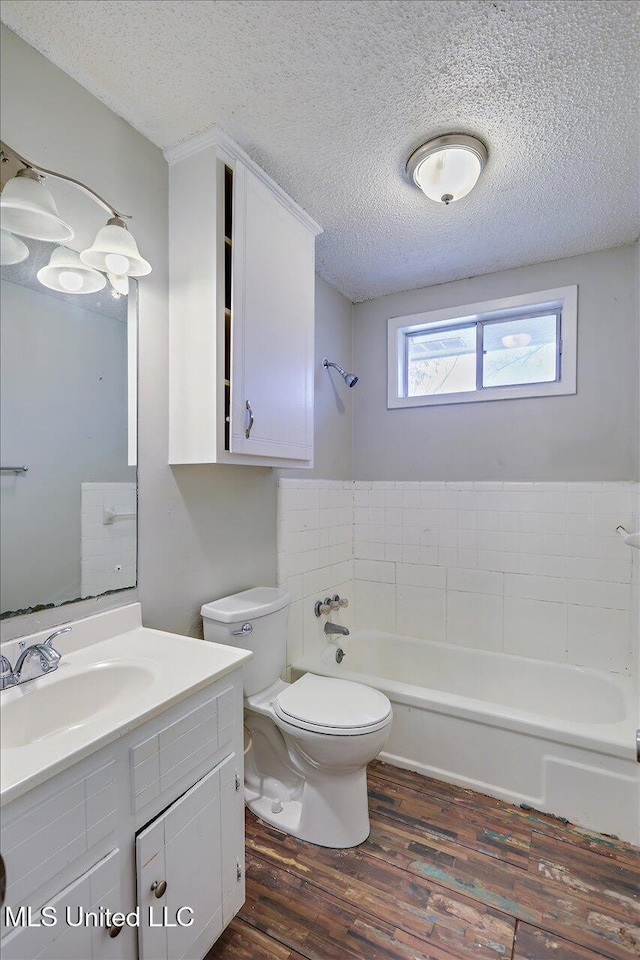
x: 556, y: 737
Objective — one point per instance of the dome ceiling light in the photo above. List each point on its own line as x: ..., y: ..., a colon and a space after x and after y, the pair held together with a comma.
x: 447, y: 168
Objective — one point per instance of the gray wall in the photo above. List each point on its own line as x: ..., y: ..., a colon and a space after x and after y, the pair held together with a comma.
x: 592, y: 435
x: 333, y: 399
x: 202, y: 531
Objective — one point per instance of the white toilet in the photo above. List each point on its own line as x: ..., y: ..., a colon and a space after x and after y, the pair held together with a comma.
x: 312, y: 739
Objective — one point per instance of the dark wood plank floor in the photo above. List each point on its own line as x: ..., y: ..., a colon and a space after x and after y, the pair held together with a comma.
x: 446, y: 874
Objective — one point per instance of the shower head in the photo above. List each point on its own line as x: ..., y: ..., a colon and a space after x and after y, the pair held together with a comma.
x: 349, y: 378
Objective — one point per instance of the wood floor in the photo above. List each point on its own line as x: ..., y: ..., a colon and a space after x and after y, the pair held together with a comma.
x: 446, y: 874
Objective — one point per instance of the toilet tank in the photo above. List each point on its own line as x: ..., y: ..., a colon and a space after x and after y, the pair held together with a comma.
x: 265, y: 609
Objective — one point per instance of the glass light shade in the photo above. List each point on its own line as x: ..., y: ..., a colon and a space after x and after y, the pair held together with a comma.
x: 27, y: 208
x: 115, y: 241
x: 66, y: 273
x: 119, y: 284
x: 447, y: 168
x: 12, y: 250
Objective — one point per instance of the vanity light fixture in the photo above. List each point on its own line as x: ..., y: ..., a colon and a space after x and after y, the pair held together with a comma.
x: 12, y: 249
x: 447, y: 168
x: 28, y: 209
x: 66, y: 273
x: 115, y: 251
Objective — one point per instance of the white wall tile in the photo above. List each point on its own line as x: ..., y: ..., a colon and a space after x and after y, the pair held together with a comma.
x: 475, y: 581
x: 474, y: 620
x: 535, y: 628
x: 599, y: 638
x: 589, y: 593
x: 535, y: 588
x: 525, y: 550
x: 375, y: 605
x: 375, y: 570
x: 421, y: 612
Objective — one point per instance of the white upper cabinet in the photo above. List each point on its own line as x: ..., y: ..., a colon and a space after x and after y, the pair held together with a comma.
x: 241, y: 301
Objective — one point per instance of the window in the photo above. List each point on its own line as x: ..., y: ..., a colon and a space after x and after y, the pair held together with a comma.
x: 499, y: 350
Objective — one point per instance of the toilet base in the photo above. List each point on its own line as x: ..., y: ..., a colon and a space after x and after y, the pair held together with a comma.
x: 336, y: 816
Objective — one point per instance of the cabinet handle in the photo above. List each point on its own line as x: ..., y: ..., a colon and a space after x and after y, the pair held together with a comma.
x: 249, y: 420
x: 114, y: 930
x: 159, y: 888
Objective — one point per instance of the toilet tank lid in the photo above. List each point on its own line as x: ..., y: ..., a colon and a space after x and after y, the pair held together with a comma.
x: 247, y: 605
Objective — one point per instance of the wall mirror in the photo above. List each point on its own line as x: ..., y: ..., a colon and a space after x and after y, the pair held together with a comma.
x: 68, y: 486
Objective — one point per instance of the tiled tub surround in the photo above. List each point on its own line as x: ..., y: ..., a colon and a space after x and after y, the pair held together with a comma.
x: 520, y: 572
x: 533, y: 569
x: 315, y: 556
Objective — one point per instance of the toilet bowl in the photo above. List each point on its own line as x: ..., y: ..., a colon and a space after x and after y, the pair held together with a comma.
x: 312, y: 739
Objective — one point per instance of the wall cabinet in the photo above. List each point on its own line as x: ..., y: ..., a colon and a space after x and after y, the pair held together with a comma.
x: 147, y: 825
x: 241, y: 311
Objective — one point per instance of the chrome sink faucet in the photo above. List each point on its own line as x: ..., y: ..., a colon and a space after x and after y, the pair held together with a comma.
x: 331, y: 628
x: 36, y: 661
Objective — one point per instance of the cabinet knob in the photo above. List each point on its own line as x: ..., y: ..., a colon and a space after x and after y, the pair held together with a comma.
x: 114, y: 930
x: 159, y: 888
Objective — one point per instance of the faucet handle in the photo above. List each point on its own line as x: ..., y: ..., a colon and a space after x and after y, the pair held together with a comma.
x: 333, y: 604
x: 7, y: 676
x: 339, y: 602
x: 56, y: 633
x: 322, y: 609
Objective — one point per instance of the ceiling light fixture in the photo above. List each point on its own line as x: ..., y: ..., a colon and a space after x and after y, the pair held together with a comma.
x: 447, y: 168
x: 512, y: 340
x: 28, y: 209
x: 66, y: 273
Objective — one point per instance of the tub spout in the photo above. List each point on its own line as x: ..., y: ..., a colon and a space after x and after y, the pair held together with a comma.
x: 331, y: 628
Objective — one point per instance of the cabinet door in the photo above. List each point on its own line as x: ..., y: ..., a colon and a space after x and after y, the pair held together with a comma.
x: 273, y: 320
x: 97, y: 889
x: 183, y: 850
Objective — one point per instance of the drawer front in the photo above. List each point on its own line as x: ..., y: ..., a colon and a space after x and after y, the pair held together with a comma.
x: 38, y: 843
x: 97, y: 891
x: 161, y: 763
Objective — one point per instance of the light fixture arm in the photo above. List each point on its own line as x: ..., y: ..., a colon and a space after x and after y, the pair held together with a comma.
x: 7, y: 151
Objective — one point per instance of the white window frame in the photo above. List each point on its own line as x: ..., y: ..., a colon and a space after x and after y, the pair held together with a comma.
x: 563, y: 299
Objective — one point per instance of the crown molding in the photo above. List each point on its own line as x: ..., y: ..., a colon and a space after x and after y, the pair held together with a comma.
x: 215, y: 137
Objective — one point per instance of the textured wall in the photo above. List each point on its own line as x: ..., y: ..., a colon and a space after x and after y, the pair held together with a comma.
x: 590, y: 436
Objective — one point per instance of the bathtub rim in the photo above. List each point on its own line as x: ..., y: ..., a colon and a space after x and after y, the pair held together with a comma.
x: 612, y: 739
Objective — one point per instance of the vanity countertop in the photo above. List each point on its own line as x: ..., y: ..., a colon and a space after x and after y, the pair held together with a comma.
x: 100, y: 692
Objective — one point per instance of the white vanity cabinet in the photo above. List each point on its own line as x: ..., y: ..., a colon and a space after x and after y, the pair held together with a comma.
x: 154, y: 819
x: 241, y: 311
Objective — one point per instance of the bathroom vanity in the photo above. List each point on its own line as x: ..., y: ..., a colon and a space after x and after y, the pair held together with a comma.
x: 122, y: 779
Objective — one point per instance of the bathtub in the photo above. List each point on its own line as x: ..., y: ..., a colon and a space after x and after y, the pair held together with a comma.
x: 556, y: 737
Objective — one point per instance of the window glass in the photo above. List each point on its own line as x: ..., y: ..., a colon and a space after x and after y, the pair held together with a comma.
x: 520, y: 351
x: 441, y: 361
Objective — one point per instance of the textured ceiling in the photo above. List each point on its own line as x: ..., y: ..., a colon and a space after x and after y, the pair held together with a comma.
x: 330, y: 97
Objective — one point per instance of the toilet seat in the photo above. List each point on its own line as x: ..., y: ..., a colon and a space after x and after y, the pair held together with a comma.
x: 333, y: 707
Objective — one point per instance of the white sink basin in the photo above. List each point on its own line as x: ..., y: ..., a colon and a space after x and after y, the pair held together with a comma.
x: 114, y: 675
x: 60, y: 702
